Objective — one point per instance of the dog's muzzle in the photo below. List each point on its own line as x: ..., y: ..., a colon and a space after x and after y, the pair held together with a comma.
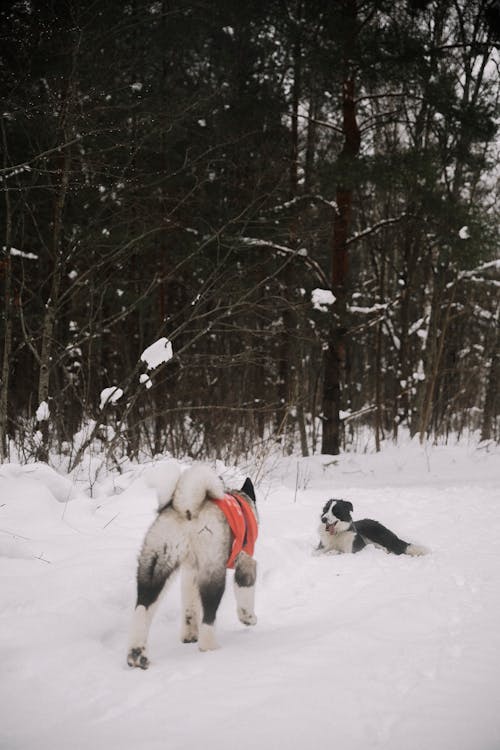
x: 330, y: 527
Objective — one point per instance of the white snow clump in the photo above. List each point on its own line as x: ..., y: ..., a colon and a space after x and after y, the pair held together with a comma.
x: 158, y: 353
x: 110, y: 395
x: 43, y: 412
x: 322, y: 299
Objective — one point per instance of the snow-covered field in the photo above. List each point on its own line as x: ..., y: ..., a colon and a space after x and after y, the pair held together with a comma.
x: 350, y: 651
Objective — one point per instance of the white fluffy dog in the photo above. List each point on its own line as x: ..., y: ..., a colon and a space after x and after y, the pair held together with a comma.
x: 193, y: 533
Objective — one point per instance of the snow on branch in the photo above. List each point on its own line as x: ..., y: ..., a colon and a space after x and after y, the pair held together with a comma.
x: 158, y: 353
x: 472, y: 275
x: 378, y: 307
x: 396, y: 341
x: 146, y: 380
x: 322, y: 299
x: 375, y: 228
x: 302, y: 254
x: 43, y: 412
x: 308, y: 197
x: 14, y: 252
x: 416, y: 326
x: 110, y: 396
x: 15, y: 169
x: 5, y: 174
x: 480, y: 280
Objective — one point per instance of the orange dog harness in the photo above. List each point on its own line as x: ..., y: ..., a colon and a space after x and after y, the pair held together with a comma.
x: 242, y: 522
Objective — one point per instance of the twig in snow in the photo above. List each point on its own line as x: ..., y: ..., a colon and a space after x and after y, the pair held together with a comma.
x: 42, y: 559
x: 111, y: 520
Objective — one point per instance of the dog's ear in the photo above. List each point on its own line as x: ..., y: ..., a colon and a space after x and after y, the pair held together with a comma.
x: 248, y: 489
x: 349, y: 506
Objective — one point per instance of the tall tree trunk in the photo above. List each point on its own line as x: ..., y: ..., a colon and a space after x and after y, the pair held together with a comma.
x: 335, y: 355
x: 6, y: 271
x: 437, y: 344
x: 289, y: 351
x: 158, y: 401
x: 311, y: 141
x: 490, y: 409
x: 51, y: 307
x: 379, y: 408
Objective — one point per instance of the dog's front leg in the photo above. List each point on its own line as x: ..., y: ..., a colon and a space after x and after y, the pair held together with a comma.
x: 245, y: 575
x: 322, y: 550
x: 190, y: 605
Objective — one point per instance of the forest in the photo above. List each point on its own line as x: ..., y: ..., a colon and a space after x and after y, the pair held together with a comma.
x: 301, y: 197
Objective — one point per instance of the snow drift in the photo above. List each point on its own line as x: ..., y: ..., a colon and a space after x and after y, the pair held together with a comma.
x: 351, y: 651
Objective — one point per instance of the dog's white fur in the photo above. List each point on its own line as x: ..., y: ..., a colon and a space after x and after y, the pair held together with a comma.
x: 192, y: 490
x: 162, y: 477
x: 190, y: 534
x: 334, y: 544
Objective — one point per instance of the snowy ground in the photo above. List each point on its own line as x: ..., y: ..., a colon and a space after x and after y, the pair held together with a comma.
x: 352, y: 651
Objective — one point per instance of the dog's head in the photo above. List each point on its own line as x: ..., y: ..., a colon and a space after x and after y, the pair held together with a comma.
x: 336, y: 516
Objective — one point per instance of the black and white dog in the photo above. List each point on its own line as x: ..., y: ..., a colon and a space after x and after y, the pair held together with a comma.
x: 192, y: 534
x: 339, y: 533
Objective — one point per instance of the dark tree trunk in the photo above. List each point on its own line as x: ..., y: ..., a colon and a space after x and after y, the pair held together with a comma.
x: 6, y: 272
x: 289, y: 352
x: 490, y: 409
x: 51, y: 307
x: 335, y: 356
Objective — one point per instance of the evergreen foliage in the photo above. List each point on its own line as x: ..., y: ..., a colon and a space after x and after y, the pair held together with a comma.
x: 195, y: 171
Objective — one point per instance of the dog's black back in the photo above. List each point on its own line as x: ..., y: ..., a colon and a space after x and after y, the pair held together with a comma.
x: 378, y: 534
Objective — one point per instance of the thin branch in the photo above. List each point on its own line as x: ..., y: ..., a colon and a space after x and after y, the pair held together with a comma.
x: 288, y: 251
x: 376, y: 227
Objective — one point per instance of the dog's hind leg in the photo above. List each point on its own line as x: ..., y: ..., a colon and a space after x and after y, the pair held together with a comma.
x: 416, y: 550
x: 138, y: 637
x: 211, y: 590
x: 245, y: 575
x: 190, y: 605
x: 156, y: 565
x: 374, y: 532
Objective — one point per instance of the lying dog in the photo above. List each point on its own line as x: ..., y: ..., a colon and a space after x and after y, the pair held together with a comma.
x: 200, y: 530
x: 339, y: 533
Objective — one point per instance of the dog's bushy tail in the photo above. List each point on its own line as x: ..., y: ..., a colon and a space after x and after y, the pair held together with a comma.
x: 163, y: 477
x: 193, y: 487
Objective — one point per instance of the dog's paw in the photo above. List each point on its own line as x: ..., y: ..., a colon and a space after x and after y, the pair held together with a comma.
x: 246, y: 617
x: 203, y: 649
x: 189, y: 630
x: 417, y: 550
x: 189, y: 638
x: 207, y: 641
x: 189, y: 634
x: 137, y: 658
x: 320, y: 551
